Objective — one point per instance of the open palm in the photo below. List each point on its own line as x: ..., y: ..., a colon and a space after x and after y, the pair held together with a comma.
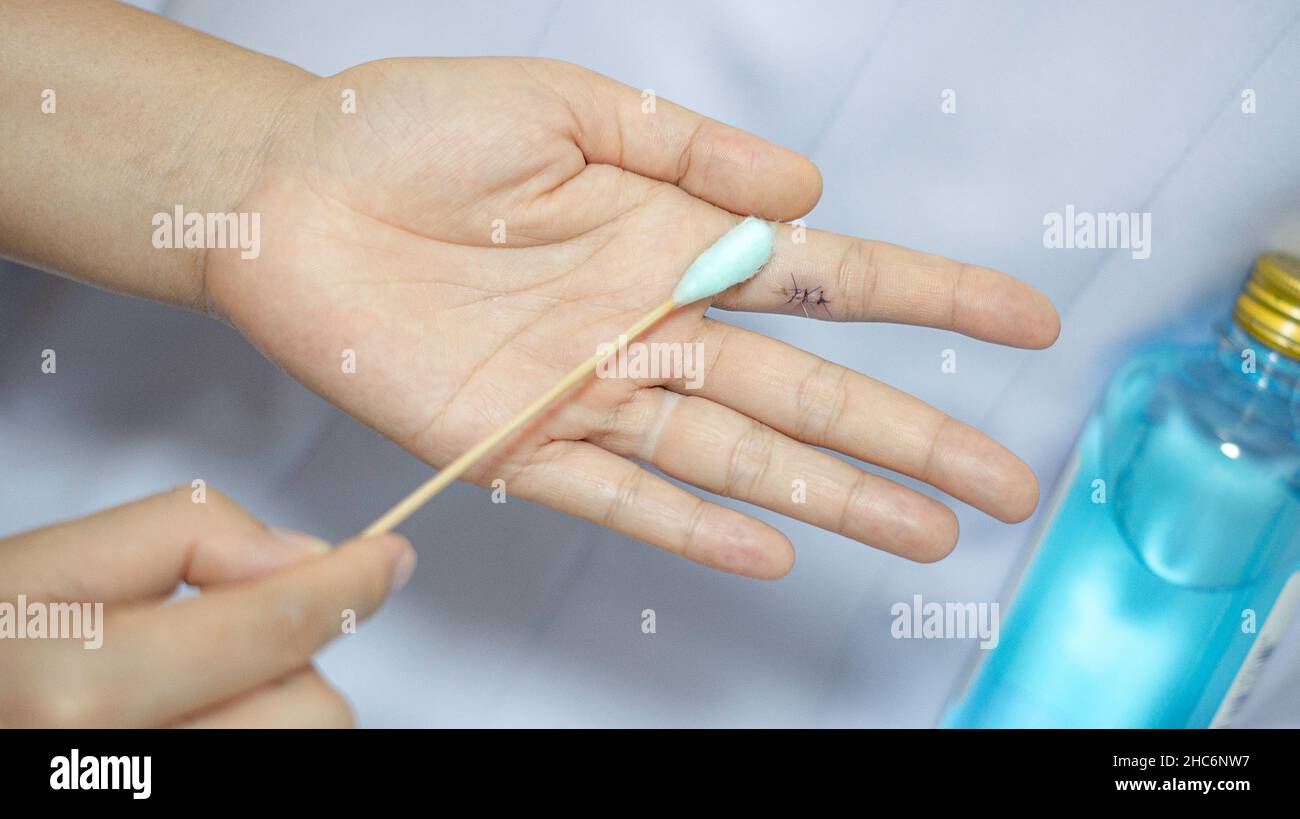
x: 477, y: 227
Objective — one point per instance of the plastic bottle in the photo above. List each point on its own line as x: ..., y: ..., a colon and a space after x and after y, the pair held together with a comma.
x: 1169, y: 564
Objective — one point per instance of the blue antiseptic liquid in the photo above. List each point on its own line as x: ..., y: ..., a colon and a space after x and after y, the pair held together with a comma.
x: 1168, y: 565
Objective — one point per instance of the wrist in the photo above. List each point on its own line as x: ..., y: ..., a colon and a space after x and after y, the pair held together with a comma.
x: 224, y: 161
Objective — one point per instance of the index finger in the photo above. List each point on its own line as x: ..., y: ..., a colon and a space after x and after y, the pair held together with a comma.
x: 843, y: 278
x: 145, y: 548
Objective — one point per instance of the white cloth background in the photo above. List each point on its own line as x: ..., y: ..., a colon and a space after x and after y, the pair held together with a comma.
x: 519, y: 615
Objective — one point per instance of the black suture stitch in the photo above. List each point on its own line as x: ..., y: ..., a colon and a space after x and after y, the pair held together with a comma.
x: 816, y: 296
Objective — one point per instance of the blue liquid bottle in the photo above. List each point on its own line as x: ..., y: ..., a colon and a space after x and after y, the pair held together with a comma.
x: 1170, y: 562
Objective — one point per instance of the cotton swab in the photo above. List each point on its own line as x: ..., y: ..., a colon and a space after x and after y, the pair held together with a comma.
x: 732, y: 259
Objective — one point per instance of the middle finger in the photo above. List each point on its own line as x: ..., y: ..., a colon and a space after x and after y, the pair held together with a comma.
x: 821, y: 403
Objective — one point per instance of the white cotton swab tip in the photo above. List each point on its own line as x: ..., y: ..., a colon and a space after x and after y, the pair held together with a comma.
x: 734, y: 258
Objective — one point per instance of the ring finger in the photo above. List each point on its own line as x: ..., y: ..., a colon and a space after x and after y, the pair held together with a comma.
x: 725, y: 452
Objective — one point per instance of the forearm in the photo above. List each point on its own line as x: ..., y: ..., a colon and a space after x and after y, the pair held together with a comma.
x: 109, y: 116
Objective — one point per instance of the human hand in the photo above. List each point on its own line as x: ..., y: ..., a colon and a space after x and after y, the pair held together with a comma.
x: 237, y: 655
x: 377, y: 238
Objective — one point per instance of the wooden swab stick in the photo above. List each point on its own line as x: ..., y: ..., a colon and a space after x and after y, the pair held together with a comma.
x: 732, y: 259
x: 456, y: 468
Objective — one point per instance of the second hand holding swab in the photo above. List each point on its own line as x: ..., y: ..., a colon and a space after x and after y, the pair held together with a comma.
x: 732, y: 259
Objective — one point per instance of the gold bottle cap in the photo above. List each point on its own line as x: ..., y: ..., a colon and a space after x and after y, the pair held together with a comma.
x: 1269, y: 305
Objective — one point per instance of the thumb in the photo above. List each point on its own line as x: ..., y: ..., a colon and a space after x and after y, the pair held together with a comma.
x: 236, y: 637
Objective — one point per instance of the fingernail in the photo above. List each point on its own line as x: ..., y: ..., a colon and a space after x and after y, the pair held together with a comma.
x: 302, y: 540
x: 403, y: 568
